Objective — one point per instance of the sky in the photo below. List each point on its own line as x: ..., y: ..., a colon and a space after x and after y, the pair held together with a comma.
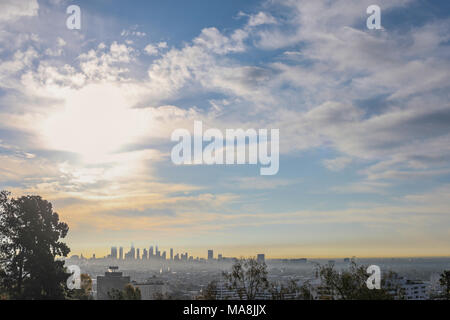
x: 86, y: 118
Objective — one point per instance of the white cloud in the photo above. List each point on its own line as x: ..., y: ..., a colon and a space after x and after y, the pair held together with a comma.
x: 259, y: 183
x: 11, y: 10
x: 151, y: 50
x: 162, y: 45
x: 259, y: 19
x: 337, y: 164
x: 98, y: 64
x: 61, y: 42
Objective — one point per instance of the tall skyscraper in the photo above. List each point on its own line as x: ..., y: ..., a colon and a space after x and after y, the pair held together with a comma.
x: 138, y: 255
x: 150, y: 252
x: 144, y: 254
x: 210, y: 254
x: 171, y: 253
x: 163, y: 256
x: 121, y: 253
x: 113, y: 254
x: 157, y: 253
x: 131, y: 255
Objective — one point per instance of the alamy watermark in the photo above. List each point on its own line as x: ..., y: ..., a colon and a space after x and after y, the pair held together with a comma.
x: 374, y: 280
x: 74, y: 280
x: 74, y: 20
x: 374, y: 20
x: 234, y: 150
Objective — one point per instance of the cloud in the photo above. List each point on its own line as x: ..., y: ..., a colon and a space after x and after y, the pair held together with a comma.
x: 366, y: 187
x: 258, y: 19
x: 151, y: 50
x: 133, y: 31
x: 11, y: 10
x: 86, y: 127
x: 260, y: 183
x: 337, y: 164
x: 100, y: 64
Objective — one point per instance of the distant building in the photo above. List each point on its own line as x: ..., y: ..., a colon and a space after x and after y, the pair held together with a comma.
x: 131, y: 255
x: 222, y: 292
x: 402, y: 288
x: 121, y: 253
x: 138, y: 255
x: 210, y: 254
x: 346, y: 259
x: 113, y: 279
x: 144, y: 254
x: 163, y: 256
x: 150, y: 252
x: 151, y: 290
x: 261, y: 258
x: 219, y: 256
x: 113, y: 253
x: 171, y: 253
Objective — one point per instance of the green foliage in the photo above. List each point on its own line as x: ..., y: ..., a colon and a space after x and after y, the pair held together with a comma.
x: 305, y: 292
x: 284, y: 292
x: 210, y: 292
x: 247, y: 278
x: 85, y: 291
x: 349, y: 284
x: 444, y: 281
x: 128, y: 293
x: 30, y: 234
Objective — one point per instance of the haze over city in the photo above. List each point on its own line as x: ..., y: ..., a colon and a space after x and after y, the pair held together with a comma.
x: 86, y: 118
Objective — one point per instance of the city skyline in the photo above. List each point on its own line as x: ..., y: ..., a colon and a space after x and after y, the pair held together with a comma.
x: 200, y: 253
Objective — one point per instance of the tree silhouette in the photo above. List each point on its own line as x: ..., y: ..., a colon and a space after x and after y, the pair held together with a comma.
x: 445, y: 283
x: 349, y: 284
x: 85, y: 291
x: 30, y: 233
x: 209, y: 293
x: 291, y: 290
x: 247, y: 278
x: 128, y: 293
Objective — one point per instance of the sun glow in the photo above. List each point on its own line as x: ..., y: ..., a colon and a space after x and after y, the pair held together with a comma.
x: 96, y: 121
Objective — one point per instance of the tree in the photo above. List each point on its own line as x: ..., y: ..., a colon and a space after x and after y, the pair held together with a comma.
x: 284, y: 291
x: 210, y: 291
x: 305, y: 292
x: 247, y: 278
x: 30, y: 233
x: 349, y: 284
x: 84, y: 293
x: 444, y: 281
x: 128, y: 293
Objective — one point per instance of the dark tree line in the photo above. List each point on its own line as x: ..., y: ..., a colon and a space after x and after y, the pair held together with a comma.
x: 128, y: 293
x: 248, y: 278
x: 30, y: 243
x: 445, y: 284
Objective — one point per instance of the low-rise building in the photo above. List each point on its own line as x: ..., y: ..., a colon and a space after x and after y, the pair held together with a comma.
x: 112, y: 279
